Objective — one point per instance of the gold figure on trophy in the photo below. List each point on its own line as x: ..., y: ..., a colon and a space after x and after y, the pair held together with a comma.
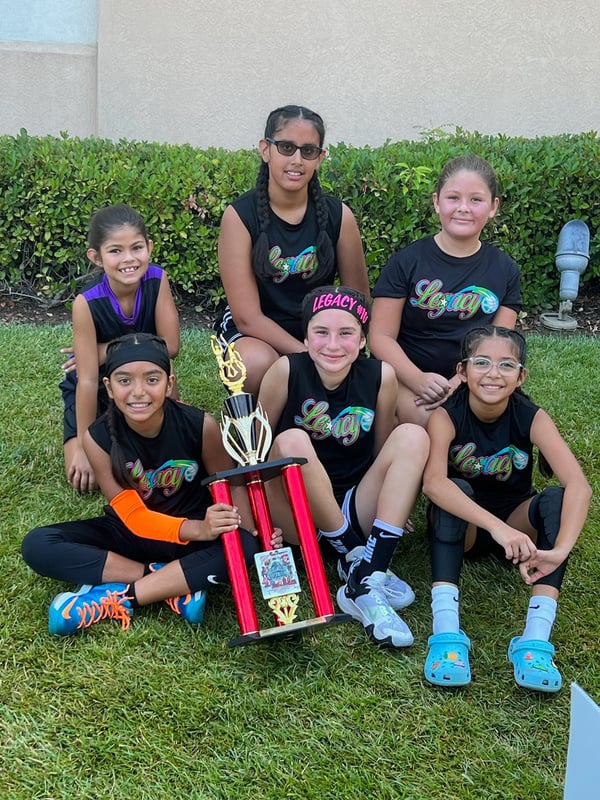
x: 232, y: 369
x: 246, y: 431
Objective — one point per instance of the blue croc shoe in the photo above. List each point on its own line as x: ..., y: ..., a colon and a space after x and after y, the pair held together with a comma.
x: 447, y: 662
x: 533, y: 664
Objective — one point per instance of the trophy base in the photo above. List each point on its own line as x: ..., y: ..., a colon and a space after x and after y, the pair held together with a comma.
x: 288, y: 631
x: 266, y: 469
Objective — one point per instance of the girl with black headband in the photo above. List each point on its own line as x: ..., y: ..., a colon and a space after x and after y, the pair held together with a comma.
x: 479, y: 478
x: 159, y: 536
x: 280, y: 240
x: 334, y: 407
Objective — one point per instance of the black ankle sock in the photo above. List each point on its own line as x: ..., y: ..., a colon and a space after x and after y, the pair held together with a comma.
x: 342, y: 540
x: 131, y: 596
x: 379, y: 549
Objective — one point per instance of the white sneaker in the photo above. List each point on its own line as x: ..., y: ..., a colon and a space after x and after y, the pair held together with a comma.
x: 397, y: 592
x: 367, y: 603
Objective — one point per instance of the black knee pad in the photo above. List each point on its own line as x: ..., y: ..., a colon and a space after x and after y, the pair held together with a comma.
x: 446, y: 527
x: 544, y: 514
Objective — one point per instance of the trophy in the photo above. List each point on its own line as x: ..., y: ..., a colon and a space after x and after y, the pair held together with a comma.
x: 247, y: 438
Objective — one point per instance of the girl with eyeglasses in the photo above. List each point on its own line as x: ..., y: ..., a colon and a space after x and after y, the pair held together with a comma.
x: 280, y: 240
x: 431, y: 293
x: 159, y: 537
x: 479, y: 480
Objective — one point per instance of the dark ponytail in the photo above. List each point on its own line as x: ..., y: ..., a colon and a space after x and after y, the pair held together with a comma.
x: 325, y: 252
x: 117, y: 461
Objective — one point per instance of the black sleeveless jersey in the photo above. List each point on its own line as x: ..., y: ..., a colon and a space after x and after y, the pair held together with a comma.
x: 496, y: 458
x: 293, y: 256
x: 168, y: 468
x: 109, y: 319
x: 340, y: 423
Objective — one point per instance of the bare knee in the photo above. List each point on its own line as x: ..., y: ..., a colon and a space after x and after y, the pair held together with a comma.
x: 411, y: 439
x: 257, y: 356
x: 407, y: 411
x: 292, y: 442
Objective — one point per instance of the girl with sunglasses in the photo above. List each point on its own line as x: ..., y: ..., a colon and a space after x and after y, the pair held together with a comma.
x: 431, y: 293
x: 479, y: 480
x: 281, y: 239
x: 159, y: 538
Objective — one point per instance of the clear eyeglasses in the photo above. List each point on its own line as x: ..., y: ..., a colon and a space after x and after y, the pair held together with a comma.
x: 483, y: 364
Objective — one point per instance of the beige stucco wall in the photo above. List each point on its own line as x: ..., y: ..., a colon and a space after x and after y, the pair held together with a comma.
x: 48, y: 88
x: 208, y: 71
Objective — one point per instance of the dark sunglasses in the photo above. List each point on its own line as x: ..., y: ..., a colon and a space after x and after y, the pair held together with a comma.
x: 287, y: 148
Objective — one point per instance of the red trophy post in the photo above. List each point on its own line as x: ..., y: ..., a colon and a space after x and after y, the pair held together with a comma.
x: 247, y: 438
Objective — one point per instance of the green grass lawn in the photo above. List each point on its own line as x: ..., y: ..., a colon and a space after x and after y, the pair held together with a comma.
x: 166, y: 711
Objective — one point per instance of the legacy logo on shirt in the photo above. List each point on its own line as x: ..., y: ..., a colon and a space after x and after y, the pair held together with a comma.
x: 345, y: 427
x: 303, y: 264
x: 466, y: 302
x: 499, y: 465
x: 167, y: 478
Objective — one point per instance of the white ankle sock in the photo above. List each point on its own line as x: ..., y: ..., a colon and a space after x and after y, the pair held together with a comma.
x: 540, y: 618
x: 444, y: 604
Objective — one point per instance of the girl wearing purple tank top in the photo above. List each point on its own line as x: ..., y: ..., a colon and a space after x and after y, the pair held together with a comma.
x: 122, y: 301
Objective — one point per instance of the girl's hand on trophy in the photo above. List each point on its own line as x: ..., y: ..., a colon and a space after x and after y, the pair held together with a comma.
x: 220, y: 518
x: 277, y: 538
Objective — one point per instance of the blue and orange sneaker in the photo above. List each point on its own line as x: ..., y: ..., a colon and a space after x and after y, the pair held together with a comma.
x: 73, y: 611
x: 190, y: 607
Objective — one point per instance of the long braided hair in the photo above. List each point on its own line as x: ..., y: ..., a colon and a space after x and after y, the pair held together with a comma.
x: 117, y: 461
x: 260, y: 252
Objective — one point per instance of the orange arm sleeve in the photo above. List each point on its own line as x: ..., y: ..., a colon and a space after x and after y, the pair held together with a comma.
x: 132, y: 511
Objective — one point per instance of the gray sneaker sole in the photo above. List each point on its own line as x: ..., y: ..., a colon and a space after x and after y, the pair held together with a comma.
x: 348, y: 606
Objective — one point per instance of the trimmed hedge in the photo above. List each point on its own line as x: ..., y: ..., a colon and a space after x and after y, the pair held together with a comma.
x: 50, y: 186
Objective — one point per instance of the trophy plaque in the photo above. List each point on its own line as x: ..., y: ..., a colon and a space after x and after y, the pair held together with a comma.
x: 247, y: 438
